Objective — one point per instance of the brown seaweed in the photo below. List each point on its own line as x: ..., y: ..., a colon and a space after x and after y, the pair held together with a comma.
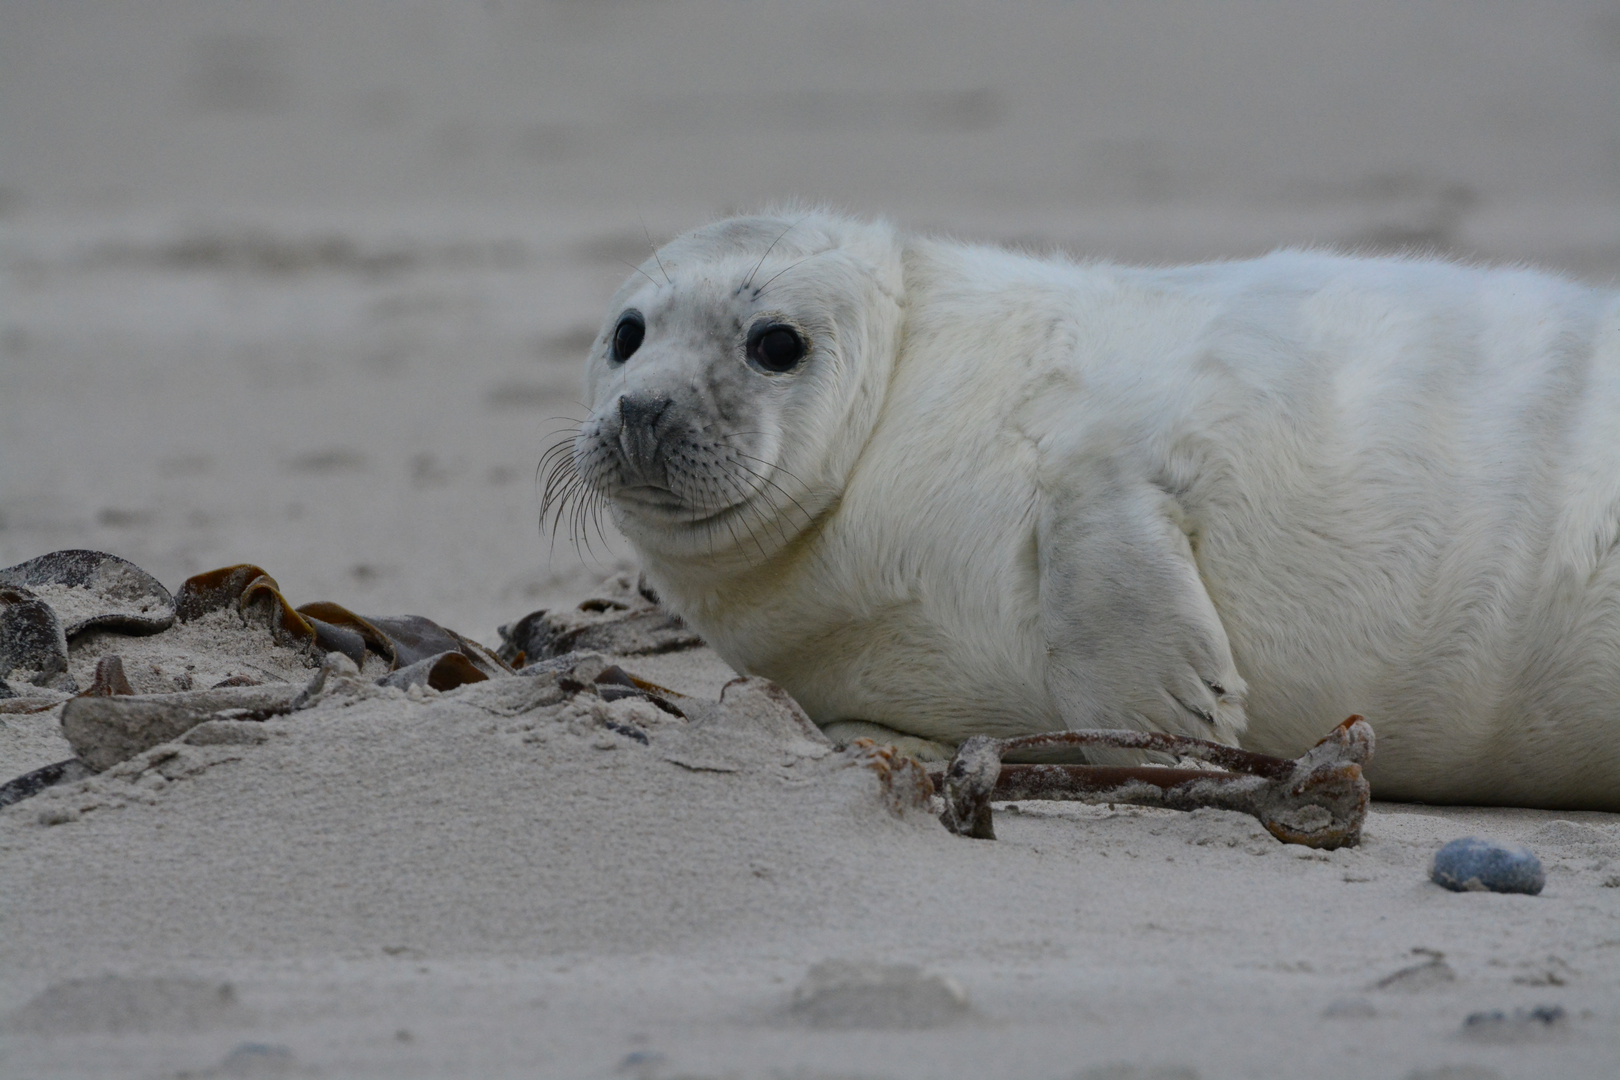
x: 322, y: 627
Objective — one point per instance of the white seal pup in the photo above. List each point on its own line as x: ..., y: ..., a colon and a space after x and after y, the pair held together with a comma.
x: 936, y: 489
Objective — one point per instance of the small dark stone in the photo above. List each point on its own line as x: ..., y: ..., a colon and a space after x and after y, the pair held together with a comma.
x: 33, y: 648
x: 629, y: 731
x: 110, y: 679
x: 258, y: 1060
x: 1520, y: 1025
x: 1474, y: 865
x: 237, y: 680
x: 30, y: 784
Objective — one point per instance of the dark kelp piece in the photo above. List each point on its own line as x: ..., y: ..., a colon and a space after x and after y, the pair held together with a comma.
x: 91, y: 590
x: 1318, y: 799
x: 337, y: 616
x: 445, y: 671
x: 216, y: 589
x: 340, y: 639
x: 614, y: 683
x: 324, y: 627
x: 262, y: 603
x: 519, y: 637
x: 33, y: 646
x: 415, y: 639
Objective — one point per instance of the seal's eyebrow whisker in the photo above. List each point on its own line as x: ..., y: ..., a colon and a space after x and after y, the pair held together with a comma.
x: 640, y: 271
x: 758, y: 291
x: 749, y: 280
x: 656, y: 259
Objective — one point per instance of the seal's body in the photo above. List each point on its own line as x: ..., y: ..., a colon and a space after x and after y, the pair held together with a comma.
x: 949, y: 489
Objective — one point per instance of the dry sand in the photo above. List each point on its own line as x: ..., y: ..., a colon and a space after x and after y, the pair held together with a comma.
x: 303, y: 284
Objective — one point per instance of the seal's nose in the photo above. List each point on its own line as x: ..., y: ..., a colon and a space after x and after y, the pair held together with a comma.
x: 641, y: 412
x: 638, y: 435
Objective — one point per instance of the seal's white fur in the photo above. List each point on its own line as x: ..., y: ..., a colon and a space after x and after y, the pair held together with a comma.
x: 1007, y: 494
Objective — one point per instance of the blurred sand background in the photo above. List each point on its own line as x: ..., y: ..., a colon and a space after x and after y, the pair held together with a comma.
x: 308, y: 284
x: 304, y: 283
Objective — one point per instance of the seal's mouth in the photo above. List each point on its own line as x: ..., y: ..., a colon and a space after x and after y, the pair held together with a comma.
x: 650, y: 500
x: 649, y: 496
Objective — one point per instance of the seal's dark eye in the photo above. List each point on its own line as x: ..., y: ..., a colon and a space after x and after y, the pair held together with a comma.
x: 627, y: 336
x: 775, y: 347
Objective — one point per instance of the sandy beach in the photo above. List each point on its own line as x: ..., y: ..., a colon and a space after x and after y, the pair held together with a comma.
x: 308, y: 286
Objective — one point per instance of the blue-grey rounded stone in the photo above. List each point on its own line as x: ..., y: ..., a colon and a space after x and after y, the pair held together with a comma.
x: 1474, y: 865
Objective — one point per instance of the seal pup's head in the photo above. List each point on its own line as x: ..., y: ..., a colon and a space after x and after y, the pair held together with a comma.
x: 734, y: 383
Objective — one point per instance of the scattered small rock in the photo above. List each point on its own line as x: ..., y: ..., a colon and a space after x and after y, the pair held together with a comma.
x: 641, y: 1064
x: 848, y: 994
x: 258, y: 1059
x: 1471, y: 864
x: 251, y: 1060
x: 110, y: 680
x: 1520, y: 1025
x: 1431, y: 973
x: 57, y: 815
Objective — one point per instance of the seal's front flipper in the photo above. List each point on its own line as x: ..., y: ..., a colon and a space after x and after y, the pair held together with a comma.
x: 912, y: 746
x: 1133, y: 640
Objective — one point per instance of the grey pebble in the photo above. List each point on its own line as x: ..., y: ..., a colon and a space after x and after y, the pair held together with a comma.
x: 1520, y: 1025
x: 859, y: 994
x: 1474, y: 865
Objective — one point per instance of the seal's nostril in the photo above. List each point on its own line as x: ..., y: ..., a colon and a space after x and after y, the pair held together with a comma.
x: 637, y: 411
